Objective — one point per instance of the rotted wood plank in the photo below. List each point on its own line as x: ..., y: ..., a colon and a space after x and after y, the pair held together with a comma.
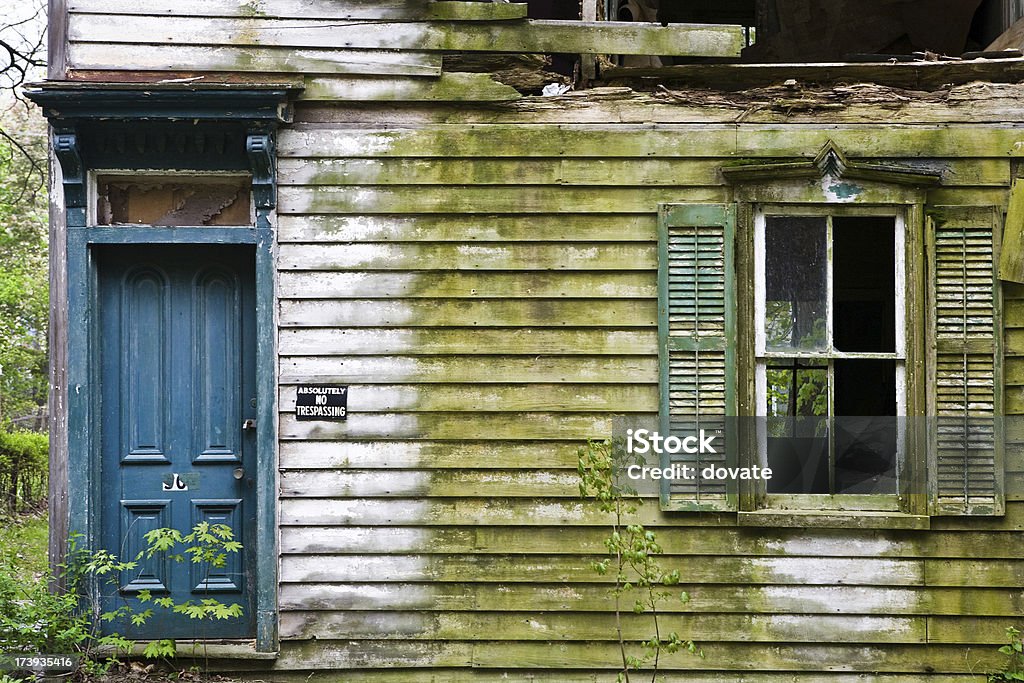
x: 467, y: 511
x: 781, y: 542
x: 611, y: 172
x: 483, y: 369
x: 1013, y: 338
x: 704, y: 598
x: 486, y: 199
x: 468, y: 313
x: 1013, y: 370
x: 455, y: 425
x: 129, y: 57
x: 1011, y: 255
x: 393, y: 10
x: 465, y: 285
x: 436, y: 483
x: 526, y: 36
x: 587, y: 172
x: 471, y: 256
x: 1013, y: 520
x: 540, y: 626
x: 968, y: 630
x: 966, y: 196
x: 366, y: 654
x: 669, y: 140
x: 468, y: 228
x: 538, y: 512
x: 1013, y: 313
x: 995, y: 573
x: 431, y: 341
x: 449, y: 87
x: 869, y: 659
x: 494, y: 398
x: 259, y: 9
x: 1013, y: 400
x: 387, y: 454
x: 433, y: 675
x: 627, y: 106
x: 565, y: 568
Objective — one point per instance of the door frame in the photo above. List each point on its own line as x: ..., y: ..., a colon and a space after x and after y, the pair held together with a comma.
x: 156, y: 126
x: 83, y: 382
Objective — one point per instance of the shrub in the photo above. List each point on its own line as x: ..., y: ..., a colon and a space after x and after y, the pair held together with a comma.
x: 24, y: 463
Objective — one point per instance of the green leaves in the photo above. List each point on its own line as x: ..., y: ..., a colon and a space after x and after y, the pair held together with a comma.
x: 159, y: 648
x: 1013, y: 670
x: 632, y: 557
x: 207, y: 545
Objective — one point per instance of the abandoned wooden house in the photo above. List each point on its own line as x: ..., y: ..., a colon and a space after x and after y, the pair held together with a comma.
x: 358, y: 278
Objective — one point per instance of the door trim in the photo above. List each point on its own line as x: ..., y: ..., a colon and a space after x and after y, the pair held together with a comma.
x: 83, y: 390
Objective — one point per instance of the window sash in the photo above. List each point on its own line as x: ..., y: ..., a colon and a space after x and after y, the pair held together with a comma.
x: 827, y: 356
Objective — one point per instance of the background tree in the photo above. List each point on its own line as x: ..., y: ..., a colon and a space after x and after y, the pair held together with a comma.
x: 24, y: 282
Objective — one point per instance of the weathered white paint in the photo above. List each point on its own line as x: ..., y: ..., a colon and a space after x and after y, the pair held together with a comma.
x: 455, y: 257
x: 494, y: 398
x: 840, y: 599
x: 421, y: 342
x: 482, y: 369
x: 825, y: 544
x: 130, y: 57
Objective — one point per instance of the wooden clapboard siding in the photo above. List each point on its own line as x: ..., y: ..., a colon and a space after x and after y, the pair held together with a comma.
x: 422, y: 35
x: 487, y: 292
x: 392, y: 10
x: 480, y: 269
x: 355, y: 50
x: 495, y: 676
x: 781, y: 662
x: 704, y: 598
x: 663, y: 140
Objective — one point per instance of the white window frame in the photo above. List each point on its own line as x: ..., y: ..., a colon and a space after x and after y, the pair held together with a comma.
x: 887, y: 502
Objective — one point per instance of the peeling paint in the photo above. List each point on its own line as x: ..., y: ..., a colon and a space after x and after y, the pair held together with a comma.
x: 836, y: 190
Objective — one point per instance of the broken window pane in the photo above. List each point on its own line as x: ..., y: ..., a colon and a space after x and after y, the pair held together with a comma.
x: 173, y: 200
x: 864, y: 272
x: 796, y: 268
x: 866, y: 427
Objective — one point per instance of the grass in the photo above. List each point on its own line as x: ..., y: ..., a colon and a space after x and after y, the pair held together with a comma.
x: 23, y: 541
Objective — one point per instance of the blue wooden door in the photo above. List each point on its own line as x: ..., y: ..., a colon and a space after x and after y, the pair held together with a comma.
x: 176, y: 342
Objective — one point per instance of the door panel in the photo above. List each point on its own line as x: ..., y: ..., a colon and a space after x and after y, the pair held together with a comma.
x: 217, y: 407
x: 145, y: 356
x: 176, y: 342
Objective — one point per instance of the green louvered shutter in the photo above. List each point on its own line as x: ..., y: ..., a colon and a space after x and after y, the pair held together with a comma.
x: 696, y: 332
x: 966, y: 463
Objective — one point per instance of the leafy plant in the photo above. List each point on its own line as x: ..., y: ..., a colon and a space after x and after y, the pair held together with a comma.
x: 632, y: 560
x: 206, y: 544
x: 1013, y: 669
x: 34, y: 620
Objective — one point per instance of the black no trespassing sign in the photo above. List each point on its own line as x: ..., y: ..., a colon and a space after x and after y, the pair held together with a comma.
x: 321, y: 402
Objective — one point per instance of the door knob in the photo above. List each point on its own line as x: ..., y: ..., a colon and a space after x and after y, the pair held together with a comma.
x: 238, y: 473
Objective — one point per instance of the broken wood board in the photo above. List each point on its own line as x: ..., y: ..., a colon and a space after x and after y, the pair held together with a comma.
x: 534, y: 35
x: 391, y: 10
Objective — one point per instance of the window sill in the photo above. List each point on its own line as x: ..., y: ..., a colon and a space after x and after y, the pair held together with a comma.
x: 838, y: 519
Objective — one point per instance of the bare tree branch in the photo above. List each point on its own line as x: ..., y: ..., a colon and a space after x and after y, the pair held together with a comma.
x: 22, y: 57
